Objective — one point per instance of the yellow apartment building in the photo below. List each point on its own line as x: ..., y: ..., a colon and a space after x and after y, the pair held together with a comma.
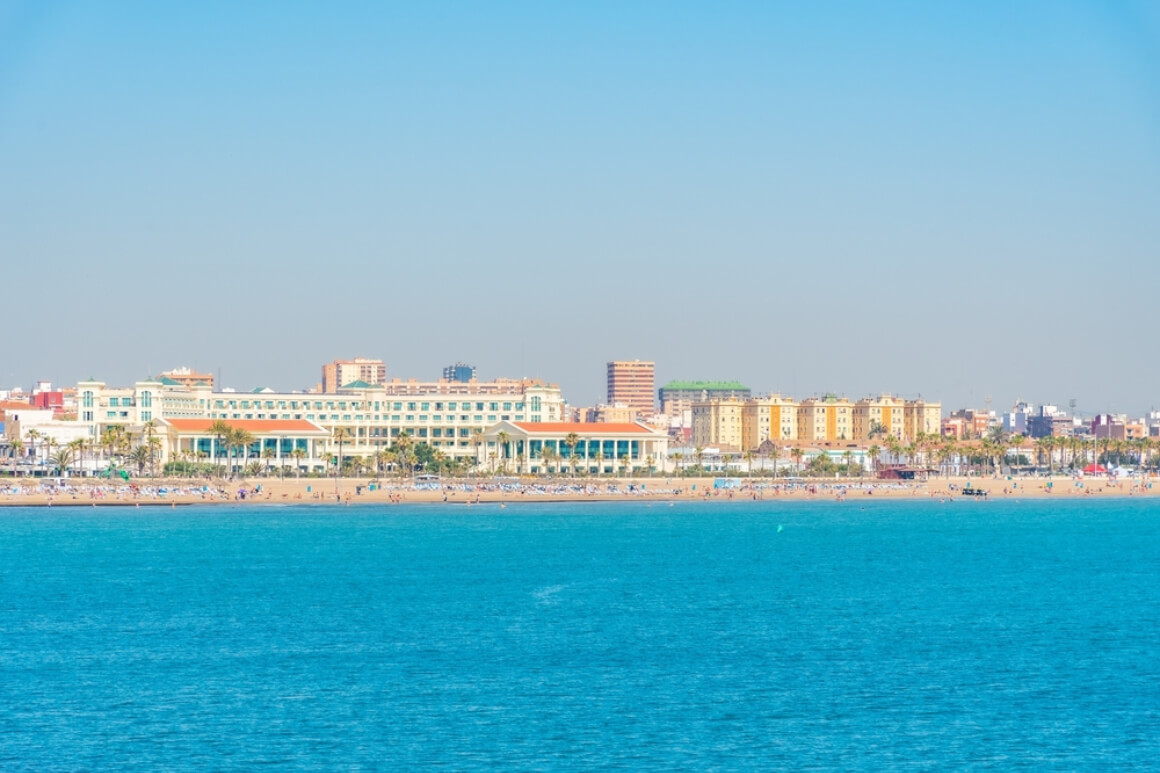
x: 884, y: 410
x: 768, y: 418
x: 922, y: 417
x: 718, y: 423
x: 822, y: 419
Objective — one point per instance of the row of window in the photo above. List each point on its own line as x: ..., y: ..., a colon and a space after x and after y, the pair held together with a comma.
x: 342, y: 405
x: 396, y: 418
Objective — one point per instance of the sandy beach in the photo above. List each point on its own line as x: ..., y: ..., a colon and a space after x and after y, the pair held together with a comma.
x: 351, y: 491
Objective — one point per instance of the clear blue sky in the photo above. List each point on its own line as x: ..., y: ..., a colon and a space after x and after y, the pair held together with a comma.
x: 955, y: 199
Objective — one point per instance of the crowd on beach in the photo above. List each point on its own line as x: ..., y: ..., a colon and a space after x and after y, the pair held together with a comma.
x: 330, y: 491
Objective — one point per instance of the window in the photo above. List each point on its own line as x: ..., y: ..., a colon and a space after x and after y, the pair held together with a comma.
x: 426, y: 407
x: 88, y: 400
x: 536, y: 403
x: 114, y: 402
x: 146, y: 415
x: 410, y: 406
x: 507, y: 406
x: 493, y: 406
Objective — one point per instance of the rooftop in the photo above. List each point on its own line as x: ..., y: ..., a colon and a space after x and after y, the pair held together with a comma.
x: 731, y: 386
x: 580, y: 428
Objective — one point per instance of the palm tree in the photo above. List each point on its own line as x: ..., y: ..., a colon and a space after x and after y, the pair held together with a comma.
x: 548, y: 456
x: 403, y: 444
x: 571, y: 440
x: 16, y: 452
x: 62, y: 460
x: 140, y: 456
x: 624, y: 464
x: 268, y: 455
x: 242, y: 439
x: 503, y: 439
x: 33, y: 435
x: 222, y: 432
x: 599, y: 462
x: 796, y: 454
x: 298, y: 454
x: 476, y: 442
x: 749, y: 461
x: 76, y: 447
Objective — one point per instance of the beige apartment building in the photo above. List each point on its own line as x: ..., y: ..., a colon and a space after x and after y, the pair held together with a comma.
x: 718, y: 424
x: 884, y: 412
x: 768, y: 418
x: 360, y: 370
x: 825, y: 419
x: 921, y: 417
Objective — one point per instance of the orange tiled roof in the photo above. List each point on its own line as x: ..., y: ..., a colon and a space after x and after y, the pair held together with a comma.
x: 14, y: 405
x: 580, y: 428
x: 253, y: 426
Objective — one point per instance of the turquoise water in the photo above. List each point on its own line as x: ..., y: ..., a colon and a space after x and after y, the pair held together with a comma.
x: 555, y: 637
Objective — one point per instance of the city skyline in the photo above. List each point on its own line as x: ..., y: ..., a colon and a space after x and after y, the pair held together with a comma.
x: 953, y: 202
x: 987, y: 402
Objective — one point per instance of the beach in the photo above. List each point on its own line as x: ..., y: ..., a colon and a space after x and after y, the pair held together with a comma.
x: 362, y: 491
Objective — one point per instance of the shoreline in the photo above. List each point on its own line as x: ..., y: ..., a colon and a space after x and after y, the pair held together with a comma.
x: 358, y: 492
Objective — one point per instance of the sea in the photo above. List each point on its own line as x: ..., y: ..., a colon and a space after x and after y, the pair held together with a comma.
x: 742, y: 636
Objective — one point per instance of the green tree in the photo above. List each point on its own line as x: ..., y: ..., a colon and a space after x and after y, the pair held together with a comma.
x: 62, y: 460
x: 141, y: 457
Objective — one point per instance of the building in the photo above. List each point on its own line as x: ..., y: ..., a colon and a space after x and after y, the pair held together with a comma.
x: 921, y: 417
x: 610, y: 414
x: 718, y: 423
x: 337, y: 374
x: 631, y: 383
x: 565, y: 447
x: 1049, y: 421
x: 771, y: 418
x: 461, y: 372
x: 825, y: 419
x: 286, y: 444
x: 880, y: 416
x: 186, y: 377
x: 677, y: 397
x: 967, y: 424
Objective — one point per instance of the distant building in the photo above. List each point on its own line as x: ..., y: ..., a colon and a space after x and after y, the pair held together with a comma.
x: 186, y: 377
x: 772, y: 418
x: 520, y: 446
x: 340, y: 373
x: 718, y: 423
x: 610, y: 414
x: 631, y: 383
x: 460, y: 371
x: 884, y: 413
x: 1048, y: 421
x: 967, y: 423
x: 825, y: 419
x: 678, y: 396
x: 922, y: 417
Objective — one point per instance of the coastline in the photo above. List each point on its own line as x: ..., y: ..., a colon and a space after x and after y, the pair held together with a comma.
x: 359, y: 492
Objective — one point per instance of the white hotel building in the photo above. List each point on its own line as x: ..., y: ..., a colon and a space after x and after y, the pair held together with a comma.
x: 447, y: 415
